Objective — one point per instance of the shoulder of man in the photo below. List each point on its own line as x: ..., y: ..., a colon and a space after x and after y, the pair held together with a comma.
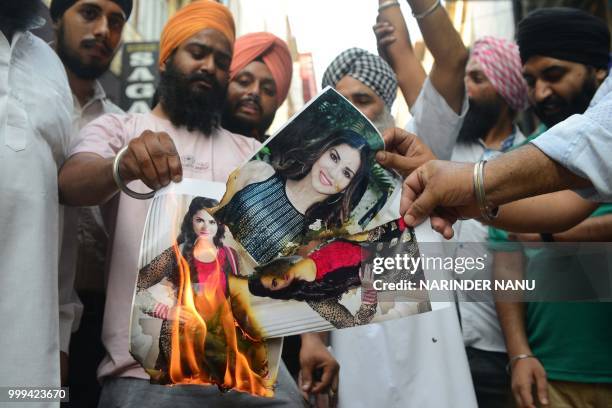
x: 113, y: 119
x: 47, y: 65
x: 108, y: 133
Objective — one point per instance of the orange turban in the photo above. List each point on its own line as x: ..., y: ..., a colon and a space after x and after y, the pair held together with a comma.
x: 191, y: 19
x: 272, y: 51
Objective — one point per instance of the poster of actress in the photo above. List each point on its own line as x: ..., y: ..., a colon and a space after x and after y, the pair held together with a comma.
x: 316, y: 177
x: 188, y: 325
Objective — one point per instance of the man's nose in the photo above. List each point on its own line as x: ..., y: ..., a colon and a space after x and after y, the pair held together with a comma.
x: 207, y: 64
x: 101, y: 29
x: 542, y: 90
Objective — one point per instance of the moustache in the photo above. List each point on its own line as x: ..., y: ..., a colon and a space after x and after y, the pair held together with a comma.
x: 91, y: 43
x: 203, y: 77
x: 251, y: 99
x: 552, y: 102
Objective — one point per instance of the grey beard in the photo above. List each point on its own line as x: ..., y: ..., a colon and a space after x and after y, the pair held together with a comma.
x: 384, y: 121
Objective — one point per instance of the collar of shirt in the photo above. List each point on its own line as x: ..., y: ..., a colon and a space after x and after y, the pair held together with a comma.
x: 10, y: 46
x: 604, y: 89
x: 38, y: 22
x: 506, y: 145
x: 98, y: 96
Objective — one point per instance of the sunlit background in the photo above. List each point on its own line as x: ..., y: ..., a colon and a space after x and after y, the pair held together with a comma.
x: 317, y: 31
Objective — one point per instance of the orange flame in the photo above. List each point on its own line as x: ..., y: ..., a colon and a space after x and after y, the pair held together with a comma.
x: 199, y: 345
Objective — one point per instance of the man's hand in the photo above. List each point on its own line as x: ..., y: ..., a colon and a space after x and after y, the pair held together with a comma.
x: 384, y: 32
x: 152, y: 158
x: 404, y: 152
x: 441, y: 189
x: 526, y: 373
x: 314, y: 355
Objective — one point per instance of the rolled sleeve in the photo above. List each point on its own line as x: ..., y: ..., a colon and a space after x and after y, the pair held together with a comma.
x: 583, y: 145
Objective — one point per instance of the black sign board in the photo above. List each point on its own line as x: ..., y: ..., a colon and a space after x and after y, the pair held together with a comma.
x: 139, y: 76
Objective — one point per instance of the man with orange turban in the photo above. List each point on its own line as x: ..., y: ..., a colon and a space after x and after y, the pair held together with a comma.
x: 181, y: 136
x: 260, y: 76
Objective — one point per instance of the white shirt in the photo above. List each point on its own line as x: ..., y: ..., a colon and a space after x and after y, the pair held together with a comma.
x: 35, y: 108
x: 98, y: 105
x: 415, y: 361
x: 434, y: 122
x: 583, y: 144
x: 71, y: 308
x: 479, y: 322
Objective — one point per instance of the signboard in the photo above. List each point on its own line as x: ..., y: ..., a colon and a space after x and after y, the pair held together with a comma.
x: 139, y: 76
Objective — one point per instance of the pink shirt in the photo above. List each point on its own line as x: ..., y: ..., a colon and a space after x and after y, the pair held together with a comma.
x: 210, y: 158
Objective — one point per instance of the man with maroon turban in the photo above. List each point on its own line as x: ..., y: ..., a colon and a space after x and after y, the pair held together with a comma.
x: 260, y: 76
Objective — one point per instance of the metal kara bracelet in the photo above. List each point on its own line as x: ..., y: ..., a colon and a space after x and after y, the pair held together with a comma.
x: 427, y: 12
x: 517, y: 358
x: 487, y: 212
x: 387, y: 4
x: 121, y: 184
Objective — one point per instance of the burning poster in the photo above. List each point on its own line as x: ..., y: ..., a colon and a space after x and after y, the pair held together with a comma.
x: 188, y: 324
x: 289, y: 246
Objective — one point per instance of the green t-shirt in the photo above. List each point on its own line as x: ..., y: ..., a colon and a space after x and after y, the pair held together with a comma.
x: 572, y: 339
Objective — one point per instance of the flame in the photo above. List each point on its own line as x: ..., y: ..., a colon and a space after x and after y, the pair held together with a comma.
x: 207, y: 348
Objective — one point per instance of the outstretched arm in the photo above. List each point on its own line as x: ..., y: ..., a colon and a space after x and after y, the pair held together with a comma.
x: 447, y: 190
x: 394, y: 46
x: 594, y: 229
x: 450, y: 55
x: 553, y: 212
x: 87, y: 178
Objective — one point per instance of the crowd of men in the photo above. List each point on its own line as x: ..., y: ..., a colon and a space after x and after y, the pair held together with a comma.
x: 71, y: 237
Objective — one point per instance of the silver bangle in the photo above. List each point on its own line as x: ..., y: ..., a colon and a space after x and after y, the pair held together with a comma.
x: 487, y: 212
x: 428, y: 11
x: 121, y: 184
x: 517, y: 358
x: 387, y: 4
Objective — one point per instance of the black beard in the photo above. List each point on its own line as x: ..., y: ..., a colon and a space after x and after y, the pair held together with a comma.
x: 479, y: 120
x: 72, y: 61
x: 194, y: 109
x: 18, y: 15
x: 577, y: 104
